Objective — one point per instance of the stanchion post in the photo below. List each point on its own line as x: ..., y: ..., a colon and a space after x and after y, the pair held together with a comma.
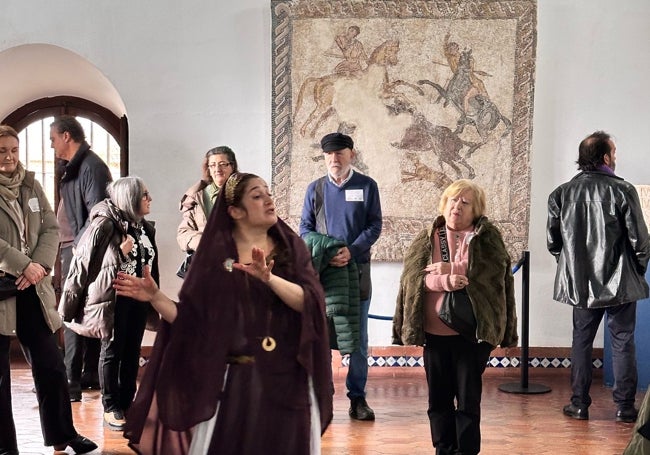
x: 523, y: 386
x: 525, y: 319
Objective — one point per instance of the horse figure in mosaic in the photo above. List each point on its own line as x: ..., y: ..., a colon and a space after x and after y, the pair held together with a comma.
x: 423, y: 136
x: 475, y: 108
x: 374, y: 78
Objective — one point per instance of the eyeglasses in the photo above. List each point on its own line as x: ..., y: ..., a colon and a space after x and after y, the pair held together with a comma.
x: 145, y: 195
x: 220, y: 165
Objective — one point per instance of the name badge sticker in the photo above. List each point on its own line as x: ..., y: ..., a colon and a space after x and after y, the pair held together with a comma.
x: 354, y: 195
x: 34, y: 206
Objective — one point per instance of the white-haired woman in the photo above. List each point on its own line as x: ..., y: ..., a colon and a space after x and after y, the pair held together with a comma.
x: 118, y: 239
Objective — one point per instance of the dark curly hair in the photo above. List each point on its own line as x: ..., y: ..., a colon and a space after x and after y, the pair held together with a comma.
x: 592, y: 151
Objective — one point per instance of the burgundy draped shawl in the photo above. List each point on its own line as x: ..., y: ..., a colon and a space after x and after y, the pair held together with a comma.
x: 184, y: 377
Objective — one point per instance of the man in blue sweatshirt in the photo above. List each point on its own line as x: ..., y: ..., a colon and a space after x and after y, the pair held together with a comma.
x: 345, y: 205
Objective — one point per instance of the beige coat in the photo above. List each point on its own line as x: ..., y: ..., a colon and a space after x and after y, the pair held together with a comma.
x: 191, y: 228
x: 42, y: 237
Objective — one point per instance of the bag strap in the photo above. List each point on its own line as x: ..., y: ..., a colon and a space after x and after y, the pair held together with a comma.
x: 319, y: 206
x: 444, y: 246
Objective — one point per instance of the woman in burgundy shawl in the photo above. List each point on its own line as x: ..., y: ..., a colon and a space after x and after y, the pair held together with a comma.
x: 247, y: 341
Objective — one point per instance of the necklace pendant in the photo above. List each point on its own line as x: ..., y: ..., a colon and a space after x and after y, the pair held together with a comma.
x: 268, y: 343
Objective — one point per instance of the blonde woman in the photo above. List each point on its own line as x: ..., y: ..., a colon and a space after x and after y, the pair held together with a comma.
x: 461, y: 250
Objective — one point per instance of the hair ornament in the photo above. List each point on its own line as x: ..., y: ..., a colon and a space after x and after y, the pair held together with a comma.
x: 231, y: 185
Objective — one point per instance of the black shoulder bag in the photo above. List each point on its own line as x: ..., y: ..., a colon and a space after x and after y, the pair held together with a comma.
x: 185, y: 265
x: 7, y: 286
x: 456, y: 311
x: 319, y: 207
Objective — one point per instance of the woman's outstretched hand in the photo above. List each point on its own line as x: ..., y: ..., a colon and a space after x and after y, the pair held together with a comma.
x: 258, y: 268
x: 142, y: 289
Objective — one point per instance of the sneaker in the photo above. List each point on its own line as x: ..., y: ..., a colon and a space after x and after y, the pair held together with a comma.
x: 360, y: 410
x: 114, y: 420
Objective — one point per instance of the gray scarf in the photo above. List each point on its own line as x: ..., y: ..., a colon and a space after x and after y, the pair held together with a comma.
x: 10, y: 185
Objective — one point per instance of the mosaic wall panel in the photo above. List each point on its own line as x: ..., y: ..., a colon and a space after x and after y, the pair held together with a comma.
x: 430, y: 91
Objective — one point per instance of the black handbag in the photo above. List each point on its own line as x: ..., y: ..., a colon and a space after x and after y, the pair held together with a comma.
x: 456, y: 311
x: 185, y: 265
x: 7, y: 286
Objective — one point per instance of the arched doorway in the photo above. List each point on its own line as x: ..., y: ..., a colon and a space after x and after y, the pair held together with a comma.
x: 105, y: 132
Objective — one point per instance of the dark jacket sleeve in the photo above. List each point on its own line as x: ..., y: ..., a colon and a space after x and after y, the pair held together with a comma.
x: 637, y: 231
x: 308, y: 217
x: 93, y: 182
x: 553, y: 232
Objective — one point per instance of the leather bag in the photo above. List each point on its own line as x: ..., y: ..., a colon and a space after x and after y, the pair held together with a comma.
x: 7, y: 286
x: 457, y: 313
x: 185, y: 265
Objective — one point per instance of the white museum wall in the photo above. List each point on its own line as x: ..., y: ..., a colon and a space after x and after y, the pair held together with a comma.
x: 194, y: 74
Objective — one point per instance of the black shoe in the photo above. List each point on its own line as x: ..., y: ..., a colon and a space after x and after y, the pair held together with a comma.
x: 75, y: 391
x: 90, y: 386
x: 576, y: 412
x: 8, y: 451
x: 89, y: 381
x: 627, y: 415
x: 360, y: 410
x: 79, y: 444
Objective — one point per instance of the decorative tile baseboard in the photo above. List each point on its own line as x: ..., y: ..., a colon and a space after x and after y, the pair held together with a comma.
x: 411, y: 356
x: 493, y: 362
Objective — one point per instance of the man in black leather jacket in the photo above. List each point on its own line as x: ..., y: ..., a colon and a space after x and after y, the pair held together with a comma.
x: 597, y: 233
x: 83, y: 184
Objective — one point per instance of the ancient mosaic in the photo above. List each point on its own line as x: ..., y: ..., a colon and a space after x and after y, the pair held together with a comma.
x: 430, y: 91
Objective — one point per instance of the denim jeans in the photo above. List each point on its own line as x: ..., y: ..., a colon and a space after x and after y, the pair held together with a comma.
x: 358, y: 369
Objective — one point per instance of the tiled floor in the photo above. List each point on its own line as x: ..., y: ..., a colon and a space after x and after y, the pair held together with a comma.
x: 511, y: 423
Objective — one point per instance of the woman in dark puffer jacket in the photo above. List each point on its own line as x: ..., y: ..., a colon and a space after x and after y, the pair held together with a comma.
x: 118, y: 239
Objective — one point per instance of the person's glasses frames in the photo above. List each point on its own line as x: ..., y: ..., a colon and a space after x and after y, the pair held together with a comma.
x: 220, y: 165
